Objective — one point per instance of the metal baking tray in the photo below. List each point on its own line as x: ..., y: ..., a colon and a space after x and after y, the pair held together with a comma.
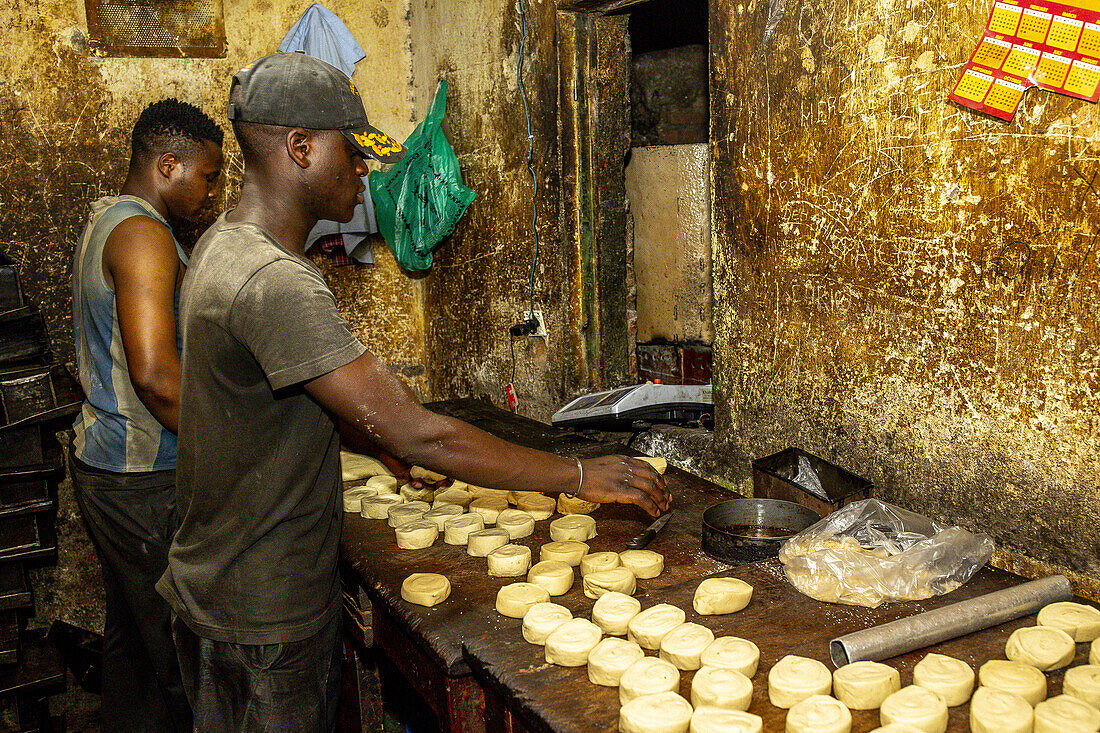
x: 15, y: 587
x: 21, y: 446
x: 771, y: 479
x: 25, y: 497
x: 28, y: 537
x: 11, y: 293
x: 22, y: 335
x: 37, y: 394
x: 51, y: 466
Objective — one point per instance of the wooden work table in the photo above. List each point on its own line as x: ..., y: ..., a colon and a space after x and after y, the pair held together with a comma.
x: 473, y: 667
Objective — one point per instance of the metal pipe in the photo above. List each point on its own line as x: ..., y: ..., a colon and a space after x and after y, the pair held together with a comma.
x: 932, y: 627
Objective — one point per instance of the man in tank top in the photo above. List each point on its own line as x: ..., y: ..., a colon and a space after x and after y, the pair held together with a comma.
x: 127, y: 269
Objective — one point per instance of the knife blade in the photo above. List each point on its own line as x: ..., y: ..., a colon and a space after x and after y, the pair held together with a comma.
x: 639, y: 542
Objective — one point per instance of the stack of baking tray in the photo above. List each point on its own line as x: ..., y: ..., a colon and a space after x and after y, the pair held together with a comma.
x: 38, y: 397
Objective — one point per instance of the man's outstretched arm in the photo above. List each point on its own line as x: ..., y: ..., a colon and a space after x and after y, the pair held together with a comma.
x: 367, y: 396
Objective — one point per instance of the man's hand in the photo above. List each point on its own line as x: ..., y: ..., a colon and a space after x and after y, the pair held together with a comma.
x: 626, y: 481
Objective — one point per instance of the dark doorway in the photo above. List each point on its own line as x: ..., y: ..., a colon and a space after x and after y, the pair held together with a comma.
x: 668, y: 84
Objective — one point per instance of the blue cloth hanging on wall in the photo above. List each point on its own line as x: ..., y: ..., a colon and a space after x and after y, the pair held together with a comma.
x: 321, y: 34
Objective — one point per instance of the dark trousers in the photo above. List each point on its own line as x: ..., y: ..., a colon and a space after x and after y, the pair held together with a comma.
x: 284, y: 688
x: 131, y: 519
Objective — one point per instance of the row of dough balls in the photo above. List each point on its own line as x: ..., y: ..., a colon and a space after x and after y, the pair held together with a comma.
x: 1004, y: 703
x: 721, y: 689
x: 355, y: 466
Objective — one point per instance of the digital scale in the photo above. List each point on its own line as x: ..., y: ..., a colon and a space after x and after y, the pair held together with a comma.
x: 650, y: 402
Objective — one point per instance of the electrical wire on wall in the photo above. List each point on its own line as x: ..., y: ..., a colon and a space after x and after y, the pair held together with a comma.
x: 529, y: 325
x: 530, y: 148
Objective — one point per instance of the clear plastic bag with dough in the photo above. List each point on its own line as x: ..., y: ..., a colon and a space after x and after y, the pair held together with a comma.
x: 870, y: 552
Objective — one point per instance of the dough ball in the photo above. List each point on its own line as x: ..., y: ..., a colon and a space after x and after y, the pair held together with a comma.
x: 399, y: 514
x: 619, y: 580
x: 553, y: 575
x: 426, y: 475
x: 794, y: 678
x: 1083, y: 683
x: 456, y: 497
x: 378, y: 507
x: 411, y: 493
x: 896, y: 728
x: 575, y: 505
x: 440, y: 514
x: 353, y: 498
x: 666, y: 712
x: 647, y: 676
x: 660, y: 465
x: 609, y: 659
x: 997, y: 711
x: 719, y: 720
x: 354, y: 466
x: 578, y: 527
x: 538, y: 506
x: 864, y: 685
x: 598, y: 561
x: 612, y: 612
x: 819, y: 714
x: 731, y: 652
x: 915, y: 706
x: 514, y: 496
x: 643, y: 563
x: 1076, y: 619
x: 425, y: 589
x: 510, y: 561
x: 382, y: 484
x: 479, y: 492
x: 543, y: 618
x: 716, y: 596
x: 950, y: 678
x: 516, y: 599
x: 516, y: 523
x: 1065, y: 714
x: 683, y: 645
x: 461, y: 485
x: 457, y: 530
x: 721, y: 688
x: 569, y: 644
x: 649, y: 627
x: 488, y: 507
x: 1043, y: 647
x: 416, y: 535
x: 484, y: 541
x: 1022, y: 679
x: 566, y: 551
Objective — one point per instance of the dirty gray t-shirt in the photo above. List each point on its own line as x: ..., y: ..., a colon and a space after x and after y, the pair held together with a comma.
x: 258, y: 474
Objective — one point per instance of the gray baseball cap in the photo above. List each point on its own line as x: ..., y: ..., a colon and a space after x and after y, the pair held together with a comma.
x: 298, y: 90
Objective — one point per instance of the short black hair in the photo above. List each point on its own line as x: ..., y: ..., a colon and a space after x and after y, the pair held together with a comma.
x: 171, y: 126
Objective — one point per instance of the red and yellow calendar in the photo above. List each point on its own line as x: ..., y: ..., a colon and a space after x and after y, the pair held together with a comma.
x: 1053, y: 46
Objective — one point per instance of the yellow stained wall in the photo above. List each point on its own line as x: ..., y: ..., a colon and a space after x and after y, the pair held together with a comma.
x: 903, y: 285
x: 67, y: 117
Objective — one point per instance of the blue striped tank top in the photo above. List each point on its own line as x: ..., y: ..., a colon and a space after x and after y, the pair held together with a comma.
x: 114, y: 430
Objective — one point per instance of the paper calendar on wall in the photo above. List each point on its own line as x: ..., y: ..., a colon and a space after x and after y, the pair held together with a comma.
x: 1053, y: 46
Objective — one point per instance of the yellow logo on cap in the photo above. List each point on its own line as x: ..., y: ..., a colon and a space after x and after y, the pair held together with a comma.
x: 379, y: 143
x: 353, y: 89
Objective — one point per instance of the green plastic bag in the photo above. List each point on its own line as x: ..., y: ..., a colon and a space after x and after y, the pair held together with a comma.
x: 419, y: 200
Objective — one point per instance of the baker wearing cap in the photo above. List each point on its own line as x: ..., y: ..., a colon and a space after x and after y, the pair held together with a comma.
x: 268, y: 366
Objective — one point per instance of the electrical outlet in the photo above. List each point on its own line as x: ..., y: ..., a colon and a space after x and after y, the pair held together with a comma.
x: 537, y: 315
